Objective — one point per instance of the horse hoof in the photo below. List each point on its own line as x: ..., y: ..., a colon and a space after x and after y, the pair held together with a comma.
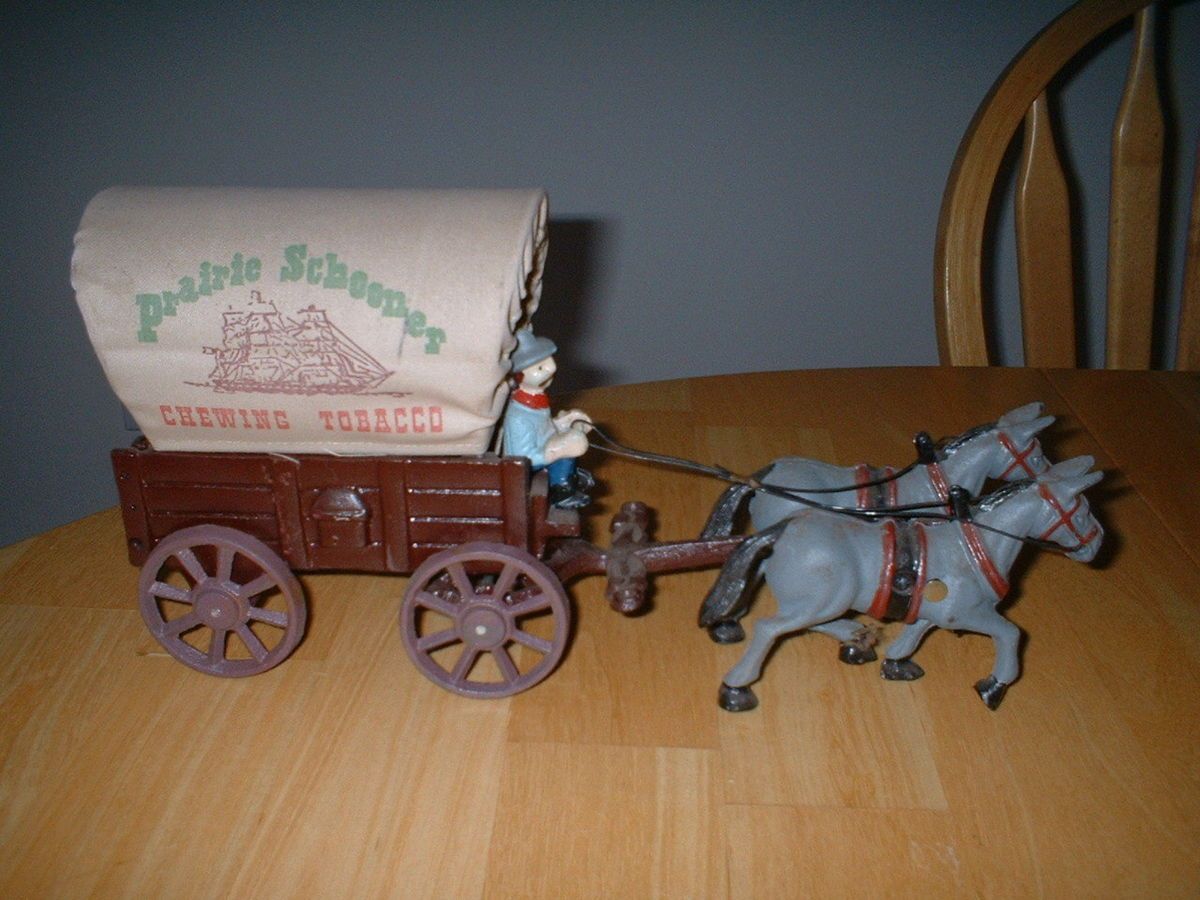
x: 736, y: 699
x: 991, y: 691
x: 901, y: 670
x: 727, y: 633
x: 854, y: 655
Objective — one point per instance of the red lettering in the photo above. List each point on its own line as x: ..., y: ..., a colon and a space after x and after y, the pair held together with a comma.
x: 364, y: 421
x: 401, y: 425
x: 435, y: 419
x: 381, y: 422
x: 245, y: 418
x: 165, y: 412
x: 202, y: 412
x: 418, y: 419
x: 281, y: 420
x: 344, y: 421
x: 185, y: 416
x: 225, y: 417
x: 262, y: 418
x: 326, y: 417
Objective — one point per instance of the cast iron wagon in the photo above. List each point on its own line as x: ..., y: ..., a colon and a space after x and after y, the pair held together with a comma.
x: 219, y: 535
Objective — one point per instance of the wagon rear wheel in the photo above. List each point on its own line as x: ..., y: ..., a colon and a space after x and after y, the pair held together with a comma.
x: 485, y: 620
x: 221, y: 601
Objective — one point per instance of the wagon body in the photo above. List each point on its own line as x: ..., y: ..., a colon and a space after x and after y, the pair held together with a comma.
x: 365, y: 514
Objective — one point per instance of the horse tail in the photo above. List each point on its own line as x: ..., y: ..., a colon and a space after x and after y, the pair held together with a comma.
x: 721, y: 519
x: 729, y: 591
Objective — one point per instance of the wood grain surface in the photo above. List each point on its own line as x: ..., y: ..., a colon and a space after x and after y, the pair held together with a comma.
x: 344, y: 773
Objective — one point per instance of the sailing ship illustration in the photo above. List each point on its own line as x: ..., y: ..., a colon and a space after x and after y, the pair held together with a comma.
x: 266, y: 352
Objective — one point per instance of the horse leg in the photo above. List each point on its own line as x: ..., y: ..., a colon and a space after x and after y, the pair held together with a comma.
x: 858, y: 640
x: 735, y: 694
x: 896, y: 663
x: 1007, y: 638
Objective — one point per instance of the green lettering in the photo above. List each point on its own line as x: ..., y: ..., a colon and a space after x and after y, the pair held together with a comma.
x: 416, y: 323
x: 375, y: 295
x: 238, y: 266
x: 394, y: 305
x: 149, y: 315
x: 358, y: 284
x: 205, y: 275
x: 335, y: 273
x: 169, y: 301
x: 434, y: 338
x: 314, y: 270
x: 187, y: 290
x: 253, y: 269
x: 219, y: 274
x: 294, y: 269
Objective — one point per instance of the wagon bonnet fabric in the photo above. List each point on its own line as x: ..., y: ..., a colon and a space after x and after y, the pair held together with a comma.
x: 319, y: 321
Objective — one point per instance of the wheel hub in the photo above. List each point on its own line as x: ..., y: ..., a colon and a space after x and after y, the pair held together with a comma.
x: 217, y: 607
x: 483, y: 627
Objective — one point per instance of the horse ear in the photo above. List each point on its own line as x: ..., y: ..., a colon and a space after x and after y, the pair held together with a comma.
x: 1025, y: 432
x: 1080, y: 483
x: 1026, y: 413
x: 1069, y: 468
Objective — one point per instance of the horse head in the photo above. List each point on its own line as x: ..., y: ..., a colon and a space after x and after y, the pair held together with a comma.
x: 1007, y: 449
x: 1066, y: 518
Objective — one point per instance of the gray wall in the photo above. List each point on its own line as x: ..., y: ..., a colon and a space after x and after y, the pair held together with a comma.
x: 734, y: 186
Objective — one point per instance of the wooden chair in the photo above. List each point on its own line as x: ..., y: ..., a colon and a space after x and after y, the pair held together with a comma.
x: 1044, y: 254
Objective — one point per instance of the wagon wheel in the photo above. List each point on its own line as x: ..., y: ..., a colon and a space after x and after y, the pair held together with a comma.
x: 494, y: 596
x: 221, y: 601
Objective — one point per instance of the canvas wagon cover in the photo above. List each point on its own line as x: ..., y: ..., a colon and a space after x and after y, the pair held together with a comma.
x: 338, y: 321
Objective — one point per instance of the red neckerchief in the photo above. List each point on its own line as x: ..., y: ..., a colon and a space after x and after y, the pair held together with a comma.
x: 533, y: 401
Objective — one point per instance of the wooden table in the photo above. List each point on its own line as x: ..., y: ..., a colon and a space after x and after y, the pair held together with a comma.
x: 343, y: 772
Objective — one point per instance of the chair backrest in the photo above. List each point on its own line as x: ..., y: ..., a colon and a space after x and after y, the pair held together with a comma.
x: 1045, y: 259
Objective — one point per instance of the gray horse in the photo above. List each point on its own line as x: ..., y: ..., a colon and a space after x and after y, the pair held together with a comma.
x: 825, y: 564
x: 1006, y: 449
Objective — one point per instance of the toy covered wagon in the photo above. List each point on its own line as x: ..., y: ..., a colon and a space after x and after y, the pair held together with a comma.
x: 318, y: 376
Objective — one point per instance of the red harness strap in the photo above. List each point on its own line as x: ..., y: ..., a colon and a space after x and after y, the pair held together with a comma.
x: 1020, y: 457
x: 882, y: 601
x: 1065, y: 517
x: 938, y: 479
x: 873, y: 496
x: 995, y: 580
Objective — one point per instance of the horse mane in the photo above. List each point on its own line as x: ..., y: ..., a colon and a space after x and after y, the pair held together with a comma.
x: 970, y: 434
x: 995, y: 498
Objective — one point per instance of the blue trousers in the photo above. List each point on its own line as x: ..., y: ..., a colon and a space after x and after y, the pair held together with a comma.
x: 561, y: 471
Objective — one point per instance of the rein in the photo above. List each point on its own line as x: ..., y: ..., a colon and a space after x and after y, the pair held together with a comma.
x: 960, y: 501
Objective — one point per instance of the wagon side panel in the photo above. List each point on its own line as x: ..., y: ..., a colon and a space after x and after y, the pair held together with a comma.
x: 342, y: 511
x: 128, y: 471
x: 452, y: 501
x: 179, y: 490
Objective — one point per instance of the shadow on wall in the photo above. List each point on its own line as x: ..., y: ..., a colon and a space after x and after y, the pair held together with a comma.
x: 569, y: 293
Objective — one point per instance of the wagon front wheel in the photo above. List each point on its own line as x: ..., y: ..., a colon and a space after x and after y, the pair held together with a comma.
x: 485, y: 620
x: 221, y: 601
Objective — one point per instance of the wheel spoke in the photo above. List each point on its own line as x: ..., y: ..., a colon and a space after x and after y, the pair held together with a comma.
x: 225, y: 556
x: 506, y: 581
x: 170, y: 592
x: 176, y: 627
x: 250, y: 639
x: 536, y: 603
x: 535, y: 643
x: 216, y: 650
x: 270, y: 616
x: 466, y: 591
x: 188, y: 559
x: 463, y: 667
x: 435, y: 603
x: 437, y: 640
x: 508, y: 669
x: 263, y: 582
